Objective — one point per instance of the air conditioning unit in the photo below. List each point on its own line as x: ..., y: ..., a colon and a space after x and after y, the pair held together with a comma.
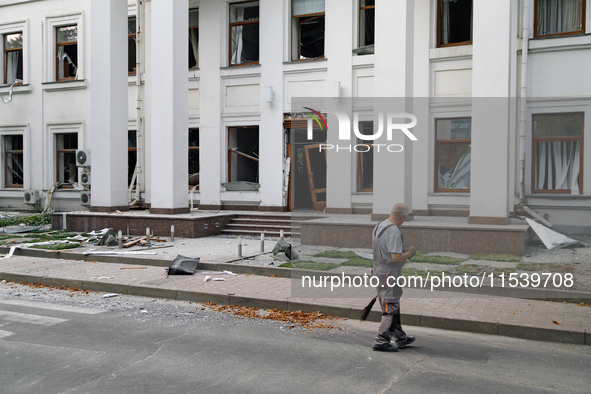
x: 83, y: 158
x: 85, y: 198
x: 85, y: 179
x: 31, y: 197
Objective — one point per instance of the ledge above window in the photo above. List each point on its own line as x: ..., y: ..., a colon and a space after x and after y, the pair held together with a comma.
x: 64, y: 85
x: 17, y: 89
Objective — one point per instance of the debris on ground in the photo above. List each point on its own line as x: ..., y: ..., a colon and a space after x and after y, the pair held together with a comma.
x: 305, y: 320
x: 182, y: 265
x: 551, y: 238
x: 218, y: 279
x: 207, y: 278
x: 110, y: 295
x: 108, y: 239
x: 284, y: 247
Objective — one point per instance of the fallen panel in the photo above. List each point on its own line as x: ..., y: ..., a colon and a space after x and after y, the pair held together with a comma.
x: 550, y: 238
x: 182, y: 265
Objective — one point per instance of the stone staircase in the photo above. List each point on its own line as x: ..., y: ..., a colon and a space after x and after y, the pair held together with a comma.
x: 253, y: 225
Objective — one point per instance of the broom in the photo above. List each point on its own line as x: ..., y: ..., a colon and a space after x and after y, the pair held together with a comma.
x: 367, y: 309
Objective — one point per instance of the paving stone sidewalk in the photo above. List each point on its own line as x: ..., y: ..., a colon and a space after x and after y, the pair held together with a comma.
x: 523, y: 318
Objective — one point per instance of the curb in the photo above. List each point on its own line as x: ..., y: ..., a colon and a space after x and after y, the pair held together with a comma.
x: 545, y: 294
x: 445, y: 323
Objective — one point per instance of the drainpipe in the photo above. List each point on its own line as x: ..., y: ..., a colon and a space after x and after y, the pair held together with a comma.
x: 139, y: 99
x: 523, y: 115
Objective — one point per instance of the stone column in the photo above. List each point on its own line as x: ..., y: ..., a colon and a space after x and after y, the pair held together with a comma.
x: 169, y: 93
x: 108, y: 108
x: 491, y: 111
x: 393, y: 79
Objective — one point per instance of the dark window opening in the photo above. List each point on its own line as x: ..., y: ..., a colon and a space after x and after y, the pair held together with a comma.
x: 455, y: 22
x: 365, y: 159
x: 194, y: 38
x: 309, y: 29
x: 194, y: 166
x: 557, y: 153
x: 131, y: 156
x: 243, y: 154
x: 13, y: 164
x: 559, y: 17
x: 131, y: 45
x: 66, y: 145
x: 367, y: 18
x: 244, y: 33
x: 453, y: 154
x: 13, y: 58
x: 67, y: 53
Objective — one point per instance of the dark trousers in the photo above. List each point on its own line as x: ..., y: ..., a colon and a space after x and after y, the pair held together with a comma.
x: 390, y: 325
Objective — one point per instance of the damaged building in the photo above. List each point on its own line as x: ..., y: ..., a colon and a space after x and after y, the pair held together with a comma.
x: 110, y: 104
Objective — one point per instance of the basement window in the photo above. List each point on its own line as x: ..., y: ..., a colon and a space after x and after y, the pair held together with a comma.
x: 194, y: 166
x: 194, y: 38
x: 308, y: 29
x: 13, y: 161
x: 557, y: 158
x: 13, y: 58
x: 365, y: 159
x: 243, y: 154
x: 367, y: 18
x: 131, y: 157
x: 452, y: 154
x: 454, y: 22
x: 559, y: 17
x: 244, y: 33
x: 67, y: 53
x: 66, y: 145
x: 131, y: 45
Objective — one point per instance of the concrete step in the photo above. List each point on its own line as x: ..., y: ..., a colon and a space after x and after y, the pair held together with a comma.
x: 262, y: 222
x: 258, y: 233
x: 254, y: 227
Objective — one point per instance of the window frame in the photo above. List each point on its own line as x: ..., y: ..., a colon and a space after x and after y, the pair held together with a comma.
x: 436, y: 188
x: 360, y: 186
x: 134, y: 36
x: 194, y: 149
x: 229, y: 152
x: 569, y: 33
x: 191, y: 28
x: 298, y: 25
x: 6, y: 153
x: 557, y: 139
x: 454, y: 44
x: 359, y: 23
x: 66, y: 43
x: 58, y: 151
x: 243, y: 23
x: 5, y: 53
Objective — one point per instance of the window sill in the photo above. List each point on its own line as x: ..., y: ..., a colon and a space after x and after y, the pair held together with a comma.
x: 17, y: 89
x: 450, y: 53
x: 559, y: 196
x: 365, y: 50
x: 560, y: 43
x: 454, y: 194
x: 64, y: 85
x: 296, y: 61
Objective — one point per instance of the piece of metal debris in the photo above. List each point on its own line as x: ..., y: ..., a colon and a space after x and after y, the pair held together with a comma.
x: 550, y: 238
x: 219, y: 280
x: 110, y: 295
x: 207, y: 278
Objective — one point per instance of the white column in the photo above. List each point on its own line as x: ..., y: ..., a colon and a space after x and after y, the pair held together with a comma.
x: 393, y: 78
x: 491, y: 106
x: 169, y: 93
x: 338, y: 47
x: 211, y: 136
x: 271, y: 133
x: 108, y: 108
x: 421, y: 81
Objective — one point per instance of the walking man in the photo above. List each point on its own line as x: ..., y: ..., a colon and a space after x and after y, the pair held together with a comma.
x: 388, y: 259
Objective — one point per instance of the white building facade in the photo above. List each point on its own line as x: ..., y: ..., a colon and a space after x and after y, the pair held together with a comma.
x: 189, y: 103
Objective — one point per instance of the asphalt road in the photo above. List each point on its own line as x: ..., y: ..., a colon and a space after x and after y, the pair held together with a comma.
x: 51, y: 342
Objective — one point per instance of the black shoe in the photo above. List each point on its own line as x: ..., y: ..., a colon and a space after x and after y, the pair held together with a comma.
x: 388, y: 348
x: 409, y: 339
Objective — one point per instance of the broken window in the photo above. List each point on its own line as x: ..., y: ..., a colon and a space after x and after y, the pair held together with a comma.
x: 66, y: 145
x: 308, y: 29
x: 558, y: 17
x: 131, y: 45
x: 365, y: 159
x: 244, y: 33
x: 131, y: 156
x: 193, y: 158
x: 13, y: 58
x: 367, y: 18
x: 67, y: 53
x: 557, y: 158
x: 243, y: 154
x: 194, y: 38
x: 13, y: 161
x: 455, y: 22
x: 452, y: 154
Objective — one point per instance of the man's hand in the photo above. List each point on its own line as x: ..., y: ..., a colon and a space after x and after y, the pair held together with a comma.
x: 413, y: 251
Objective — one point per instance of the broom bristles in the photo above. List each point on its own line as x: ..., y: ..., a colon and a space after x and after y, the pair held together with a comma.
x: 367, y: 309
